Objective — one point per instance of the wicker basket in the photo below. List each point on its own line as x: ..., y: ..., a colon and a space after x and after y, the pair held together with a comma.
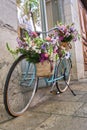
x: 43, y: 69
x: 66, y: 45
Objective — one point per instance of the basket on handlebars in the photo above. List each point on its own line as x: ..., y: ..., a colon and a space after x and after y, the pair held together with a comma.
x: 66, y: 45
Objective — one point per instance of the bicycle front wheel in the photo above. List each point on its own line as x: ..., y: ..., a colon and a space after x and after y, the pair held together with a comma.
x: 20, y: 86
x: 63, y: 74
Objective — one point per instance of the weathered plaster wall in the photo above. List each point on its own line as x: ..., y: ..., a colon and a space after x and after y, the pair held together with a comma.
x: 72, y: 16
x: 8, y: 33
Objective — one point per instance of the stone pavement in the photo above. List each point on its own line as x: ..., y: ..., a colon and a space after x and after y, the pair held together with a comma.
x: 51, y: 112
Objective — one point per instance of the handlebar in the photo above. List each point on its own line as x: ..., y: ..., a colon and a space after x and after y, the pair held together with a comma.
x: 45, y: 32
x: 23, y: 30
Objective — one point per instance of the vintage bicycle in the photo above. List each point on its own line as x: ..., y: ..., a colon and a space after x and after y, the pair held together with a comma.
x: 22, y: 82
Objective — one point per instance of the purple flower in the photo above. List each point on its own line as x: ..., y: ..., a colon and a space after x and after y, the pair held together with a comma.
x: 74, y: 39
x: 72, y: 29
x: 61, y: 38
x: 30, y: 34
x: 67, y: 34
x: 43, y: 47
x: 21, y: 43
x: 55, y: 33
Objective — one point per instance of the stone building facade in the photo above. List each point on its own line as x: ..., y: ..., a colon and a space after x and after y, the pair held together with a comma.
x: 72, y: 16
x: 67, y: 11
x: 8, y: 34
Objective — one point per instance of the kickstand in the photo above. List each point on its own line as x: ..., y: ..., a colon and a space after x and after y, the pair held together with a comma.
x: 70, y: 89
x: 68, y: 84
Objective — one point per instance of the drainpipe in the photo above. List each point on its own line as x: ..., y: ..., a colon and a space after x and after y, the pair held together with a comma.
x: 61, y: 11
x: 43, y: 16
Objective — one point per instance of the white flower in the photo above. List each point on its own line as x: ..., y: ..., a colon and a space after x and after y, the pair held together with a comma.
x: 67, y: 55
x: 34, y: 48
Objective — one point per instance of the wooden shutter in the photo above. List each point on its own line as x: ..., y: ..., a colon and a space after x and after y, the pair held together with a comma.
x: 83, y: 22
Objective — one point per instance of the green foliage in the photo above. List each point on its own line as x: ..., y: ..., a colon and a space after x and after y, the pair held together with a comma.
x: 68, y: 39
x: 13, y: 52
x: 31, y: 55
x: 29, y: 6
x: 38, y: 41
x: 27, y: 38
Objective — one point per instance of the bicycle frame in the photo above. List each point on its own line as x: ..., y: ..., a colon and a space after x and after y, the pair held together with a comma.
x: 51, y: 79
x: 26, y: 73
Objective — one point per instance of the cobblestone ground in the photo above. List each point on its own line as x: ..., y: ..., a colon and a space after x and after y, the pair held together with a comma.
x: 51, y: 112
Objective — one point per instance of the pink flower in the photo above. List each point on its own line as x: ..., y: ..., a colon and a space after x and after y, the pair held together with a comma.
x: 34, y: 34
x: 55, y: 49
x: 61, y: 38
x: 48, y: 38
x: 46, y: 55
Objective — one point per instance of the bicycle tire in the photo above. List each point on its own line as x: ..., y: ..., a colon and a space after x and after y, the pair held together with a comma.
x: 17, y: 92
x: 64, y: 71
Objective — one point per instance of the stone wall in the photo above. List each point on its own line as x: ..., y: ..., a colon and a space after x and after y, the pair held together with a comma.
x: 8, y: 13
x: 8, y: 33
x: 72, y: 16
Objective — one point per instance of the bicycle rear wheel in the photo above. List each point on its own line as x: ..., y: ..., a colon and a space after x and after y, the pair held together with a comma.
x: 20, y: 86
x: 64, y: 74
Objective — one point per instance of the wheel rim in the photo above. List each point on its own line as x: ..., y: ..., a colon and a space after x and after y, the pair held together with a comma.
x: 64, y: 68
x: 21, y: 90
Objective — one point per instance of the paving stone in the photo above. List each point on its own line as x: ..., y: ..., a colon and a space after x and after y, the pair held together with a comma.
x: 56, y: 122
x: 1, y: 97
x: 66, y: 97
x: 63, y: 108
x: 51, y: 112
x: 83, y: 98
x: 79, y: 86
x: 82, y: 112
x: 4, y: 116
x: 28, y: 121
x: 42, y: 95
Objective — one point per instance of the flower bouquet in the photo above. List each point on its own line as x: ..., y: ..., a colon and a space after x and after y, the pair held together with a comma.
x: 66, y: 34
x: 38, y: 51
